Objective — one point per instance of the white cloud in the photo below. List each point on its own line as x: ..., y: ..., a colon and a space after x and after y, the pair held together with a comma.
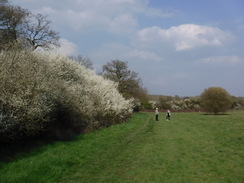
x: 86, y: 16
x: 123, y: 24
x: 113, y: 16
x: 67, y: 48
x: 184, y: 37
x: 111, y: 51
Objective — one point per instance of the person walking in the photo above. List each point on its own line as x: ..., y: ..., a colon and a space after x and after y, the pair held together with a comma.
x: 156, y: 113
x: 168, y: 115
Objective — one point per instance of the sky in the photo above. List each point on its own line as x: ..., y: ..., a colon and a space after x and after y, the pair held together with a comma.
x: 178, y: 47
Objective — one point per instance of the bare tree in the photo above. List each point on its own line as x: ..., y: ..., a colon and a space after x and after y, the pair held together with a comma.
x: 18, y: 25
x: 39, y: 34
x: 86, y: 62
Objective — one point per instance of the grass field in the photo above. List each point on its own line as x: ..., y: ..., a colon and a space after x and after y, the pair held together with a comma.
x: 192, y: 147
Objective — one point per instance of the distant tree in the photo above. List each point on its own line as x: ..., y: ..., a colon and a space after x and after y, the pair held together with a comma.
x: 86, y: 62
x: 237, y: 102
x: 129, y: 83
x: 176, y: 97
x: 241, y: 101
x: 164, y: 102
x: 215, y: 99
x: 18, y: 25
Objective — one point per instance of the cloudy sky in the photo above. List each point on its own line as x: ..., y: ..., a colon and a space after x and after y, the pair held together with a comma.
x: 178, y: 47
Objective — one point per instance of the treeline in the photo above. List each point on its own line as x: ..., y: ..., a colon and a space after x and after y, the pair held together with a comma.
x: 195, y: 103
x: 53, y: 95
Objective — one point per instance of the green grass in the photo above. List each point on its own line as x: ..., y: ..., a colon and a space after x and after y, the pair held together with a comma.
x: 192, y: 147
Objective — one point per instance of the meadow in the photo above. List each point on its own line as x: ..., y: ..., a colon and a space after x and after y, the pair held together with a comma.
x: 192, y: 147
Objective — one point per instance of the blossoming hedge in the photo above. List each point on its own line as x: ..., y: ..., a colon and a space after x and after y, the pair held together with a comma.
x: 51, y: 93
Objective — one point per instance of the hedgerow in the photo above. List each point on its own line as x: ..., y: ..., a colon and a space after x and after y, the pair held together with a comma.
x: 50, y: 94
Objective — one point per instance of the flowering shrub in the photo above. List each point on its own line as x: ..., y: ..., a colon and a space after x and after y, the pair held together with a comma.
x: 178, y: 103
x: 48, y: 92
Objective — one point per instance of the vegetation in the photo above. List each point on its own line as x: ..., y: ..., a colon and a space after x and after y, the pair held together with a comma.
x: 53, y: 96
x: 50, y: 93
x: 129, y: 83
x: 193, y: 147
x: 215, y: 100
x: 177, y: 103
x: 18, y: 25
x: 86, y: 62
x: 164, y: 102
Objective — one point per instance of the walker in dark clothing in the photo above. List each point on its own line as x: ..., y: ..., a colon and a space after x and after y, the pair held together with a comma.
x: 168, y: 115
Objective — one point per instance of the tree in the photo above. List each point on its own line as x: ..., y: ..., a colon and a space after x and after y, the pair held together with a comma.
x: 37, y: 33
x: 129, y: 83
x: 18, y: 25
x: 164, y: 102
x: 86, y: 62
x: 11, y: 21
x: 215, y: 99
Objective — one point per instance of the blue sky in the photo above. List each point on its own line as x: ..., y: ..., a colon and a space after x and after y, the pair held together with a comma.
x: 178, y: 47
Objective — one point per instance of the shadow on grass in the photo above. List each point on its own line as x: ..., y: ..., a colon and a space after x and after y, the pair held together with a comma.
x: 212, y: 114
x: 10, y: 151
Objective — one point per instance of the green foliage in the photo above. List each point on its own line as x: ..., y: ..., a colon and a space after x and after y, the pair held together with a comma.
x: 164, y: 102
x: 147, y: 105
x: 41, y: 92
x: 129, y: 83
x: 193, y: 147
x: 215, y: 99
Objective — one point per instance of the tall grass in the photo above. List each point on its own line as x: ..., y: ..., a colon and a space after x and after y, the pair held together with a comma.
x: 192, y: 147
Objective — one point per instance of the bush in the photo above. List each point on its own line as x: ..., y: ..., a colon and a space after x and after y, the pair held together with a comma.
x: 215, y: 99
x: 25, y: 103
x: 47, y: 92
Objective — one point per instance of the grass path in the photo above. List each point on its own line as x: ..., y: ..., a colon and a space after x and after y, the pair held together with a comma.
x: 190, y: 148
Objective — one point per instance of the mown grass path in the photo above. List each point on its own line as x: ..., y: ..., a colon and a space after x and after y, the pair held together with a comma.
x: 192, y: 147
